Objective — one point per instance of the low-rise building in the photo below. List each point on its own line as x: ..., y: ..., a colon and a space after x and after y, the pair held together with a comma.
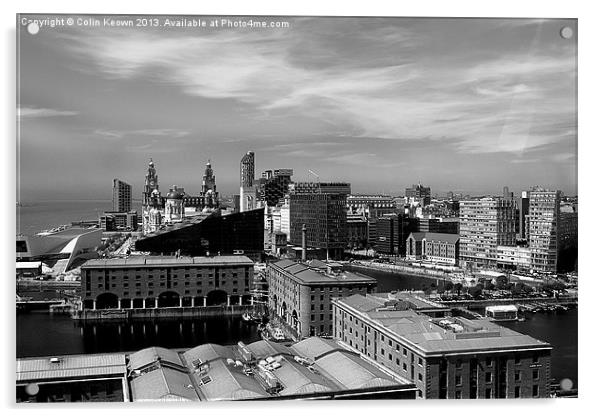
x: 302, y: 293
x: 311, y: 369
x: 433, y: 247
x: 514, y: 257
x: 449, y: 357
x: 166, y: 281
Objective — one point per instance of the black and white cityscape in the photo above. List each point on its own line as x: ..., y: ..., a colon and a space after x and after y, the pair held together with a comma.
x: 231, y: 208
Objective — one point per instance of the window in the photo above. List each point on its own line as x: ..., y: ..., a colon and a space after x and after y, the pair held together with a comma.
x: 487, y: 392
x: 536, y: 374
x: 397, y: 361
x: 535, y: 359
x: 405, y: 352
x: 458, y: 395
x: 382, y: 351
x: 390, y: 357
x: 420, y: 363
x: 517, y: 376
x: 390, y: 342
x: 397, y: 348
x: 535, y: 392
x: 488, y: 377
x: 419, y: 376
x: 489, y: 361
x: 516, y: 392
x: 405, y: 367
x: 517, y: 360
x: 459, y: 380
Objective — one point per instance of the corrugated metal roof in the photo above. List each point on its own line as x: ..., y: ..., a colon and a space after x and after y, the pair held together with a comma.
x: 163, y: 384
x: 149, y: 355
x: 70, y: 366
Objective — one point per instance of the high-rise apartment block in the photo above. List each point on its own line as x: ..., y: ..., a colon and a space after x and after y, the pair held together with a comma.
x: 122, y: 196
x: 485, y: 224
x: 544, y: 212
x: 248, y: 193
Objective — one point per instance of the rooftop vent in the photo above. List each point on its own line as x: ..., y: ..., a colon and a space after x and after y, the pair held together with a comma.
x: 55, y: 360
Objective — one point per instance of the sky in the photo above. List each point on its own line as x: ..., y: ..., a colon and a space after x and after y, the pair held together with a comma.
x: 468, y: 105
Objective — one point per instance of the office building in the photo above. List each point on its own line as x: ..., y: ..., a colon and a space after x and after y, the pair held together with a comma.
x: 209, y: 233
x: 544, y: 210
x: 302, y: 293
x: 485, y: 224
x: 166, y: 281
x: 370, y: 206
x: 311, y: 369
x: 388, y: 234
x: 248, y: 190
x: 111, y: 221
x: 450, y: 357
x: 436, y: 225
x: 275, y: 186
x: 433, y: 247
x: 523, y: 212
x: 419, y: 194
x: 122, y: 196
x: 357, y: 231
x: 321, y: 207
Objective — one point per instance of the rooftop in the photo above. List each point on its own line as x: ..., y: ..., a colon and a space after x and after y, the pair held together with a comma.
x: 437, y: 237
x: 439, y: 335
x: 137, y: 261
x: 318, y: 272
x: 70, y: 367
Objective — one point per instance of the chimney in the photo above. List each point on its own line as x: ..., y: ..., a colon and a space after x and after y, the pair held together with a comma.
x: 303, y: 243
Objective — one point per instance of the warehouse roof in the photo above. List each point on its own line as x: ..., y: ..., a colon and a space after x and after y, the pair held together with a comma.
x: 70, y: 366
x: 307, y: 273
x: 158, y: 261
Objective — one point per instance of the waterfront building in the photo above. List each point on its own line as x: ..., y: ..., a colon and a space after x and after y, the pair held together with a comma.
x: 514, y: 257
x: 357, y: 231
x: 166, y: 281
x: 311, y: 369
x: 523, y: 207
x: 275, y: 186
x: 151, y: 183
x: 433, y: 247
x: 174, y: 205
x: 248, y: 191
x: 122, y: 196
x: 485, y: 224
x: 568, y: 230
x: 321, y: 207
x: 209, y: 233
x: 301, y: 293
x: 418, y: 194
x: 436, y: 225
x: 113, y: 221
x: 209, y: 188
x: 388, y: 234
x: 544, y: 210
x: 370, y: 206
x: 59, y: 248
x: 450, y: 357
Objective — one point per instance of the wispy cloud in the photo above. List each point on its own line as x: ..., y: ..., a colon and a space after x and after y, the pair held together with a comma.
x: 32, y: 112
x: 494, y: 103
x: 119, y: 134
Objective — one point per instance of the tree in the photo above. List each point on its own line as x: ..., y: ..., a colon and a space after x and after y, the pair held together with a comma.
x: 476, y: 291
x: 458, y: 287
x: 490, y: 286
x: 448, y: 286
x: 502, y: 283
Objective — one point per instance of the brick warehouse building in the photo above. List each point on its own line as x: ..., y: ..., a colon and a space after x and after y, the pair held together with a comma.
x: 302, y: 293
x: 166, y: 281
x: 446, y: 358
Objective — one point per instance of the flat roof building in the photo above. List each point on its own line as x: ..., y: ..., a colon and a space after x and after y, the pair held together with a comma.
x: 302, y: 293
x: 449, y: 357
x: 311, y: 369
x: 166, y: 281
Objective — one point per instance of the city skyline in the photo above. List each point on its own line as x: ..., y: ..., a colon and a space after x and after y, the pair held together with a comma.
x: 382, y: 103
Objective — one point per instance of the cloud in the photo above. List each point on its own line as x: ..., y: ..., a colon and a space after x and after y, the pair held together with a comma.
x: 119, y: 134
x: 32, y: 112
x: 504, y: 102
